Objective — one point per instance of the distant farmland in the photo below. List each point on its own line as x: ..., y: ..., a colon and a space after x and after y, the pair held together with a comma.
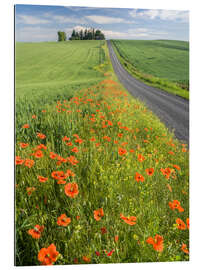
x: 51, y: 68
x: 167, y: 60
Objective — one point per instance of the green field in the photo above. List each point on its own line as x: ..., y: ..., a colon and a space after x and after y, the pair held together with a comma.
x: 50, y: 68
x: 166, y: 60
x: 99, y: 179
x: 46, y: 72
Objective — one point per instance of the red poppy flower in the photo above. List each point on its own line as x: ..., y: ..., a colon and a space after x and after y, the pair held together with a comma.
x: 42, y: 179
x: 103, y: 230
x: 97, y: 144
x: 65, y: 139
x: 34, y: 116
x: 157, y: 242
x: 109, y: 123
x: 41, y: 146
x: 38, y: 154
x: 116, y: 238
x: 176, y: 167
x: 72, y: 160
x: 122, y: 151
x: 184, y: 248
x: 36, y: 232
x: 107, y: 138
x: 181, y: 224
x: 26, y: 126
x: 75, y: 260
x: 70, y: 173
x: 98, y: 214
x: 30, y: 190
x: 18, y: 160
x: 52, y: 155
x: 41, y: 136
x: 24, y: 145
x: 166, y: 172
x: 141, y: 158
x: 60, y: 160
x: 69, y: 143
x: 63, y: 220
x: 71, y: 190
x: 188, y: 223
x: 75, y: 150
x: 47, y: 256
x: 79, y: 141
x: 109, y: 253
x: 150, y: 171
x: 139, y: 177
x: 58, y: 175
x: 129, y: 220
x: 86, y: 259
x: 175, y: 205
x: 97, y: 253
x: 29, y: 163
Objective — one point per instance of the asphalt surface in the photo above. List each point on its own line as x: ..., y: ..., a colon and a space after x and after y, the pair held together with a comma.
x: 172, y: 110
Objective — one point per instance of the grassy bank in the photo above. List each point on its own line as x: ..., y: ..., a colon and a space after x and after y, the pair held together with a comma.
x: 162, y: 64
x: 105, y: 161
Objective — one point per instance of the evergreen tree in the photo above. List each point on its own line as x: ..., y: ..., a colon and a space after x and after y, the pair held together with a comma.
x: 85, y: 34
x: 81, y: 34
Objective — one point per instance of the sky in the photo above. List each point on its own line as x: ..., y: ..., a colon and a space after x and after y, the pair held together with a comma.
x: 35, y: 23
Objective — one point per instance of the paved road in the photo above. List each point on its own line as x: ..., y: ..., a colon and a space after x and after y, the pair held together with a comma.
x: 171, y: 110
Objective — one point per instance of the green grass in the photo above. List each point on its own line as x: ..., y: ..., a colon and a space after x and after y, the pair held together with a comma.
x: 161, y: 63
x: 105, y: 178
x: 44, y: 68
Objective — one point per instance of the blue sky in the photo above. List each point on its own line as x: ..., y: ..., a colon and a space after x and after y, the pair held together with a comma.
x: 41, y: 23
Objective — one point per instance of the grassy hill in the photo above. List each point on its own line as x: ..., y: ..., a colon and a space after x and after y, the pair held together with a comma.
x: 42, y: 68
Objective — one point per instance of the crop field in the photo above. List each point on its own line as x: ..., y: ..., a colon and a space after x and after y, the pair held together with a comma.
x: 99, y: 179
x: 164, y: 63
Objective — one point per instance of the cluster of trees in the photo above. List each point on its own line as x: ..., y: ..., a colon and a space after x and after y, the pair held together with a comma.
x: 87, y: 34
x: 61, y: 36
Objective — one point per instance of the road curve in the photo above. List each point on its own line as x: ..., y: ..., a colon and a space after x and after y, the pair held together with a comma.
x: 171, y: 110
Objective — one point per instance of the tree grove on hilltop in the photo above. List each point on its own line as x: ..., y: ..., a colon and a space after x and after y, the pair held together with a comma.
x: 87, y: 34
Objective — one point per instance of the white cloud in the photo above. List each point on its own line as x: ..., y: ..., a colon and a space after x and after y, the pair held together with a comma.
x: 31, y: 20
x: 106, y: 20
x: 171, y: 15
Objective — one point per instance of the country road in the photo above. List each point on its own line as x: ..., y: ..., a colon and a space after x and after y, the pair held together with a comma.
x: 171, y: 110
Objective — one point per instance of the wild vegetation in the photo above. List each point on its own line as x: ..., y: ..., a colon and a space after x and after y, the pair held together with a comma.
x: 99, y: 179
x: 160, y: 63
